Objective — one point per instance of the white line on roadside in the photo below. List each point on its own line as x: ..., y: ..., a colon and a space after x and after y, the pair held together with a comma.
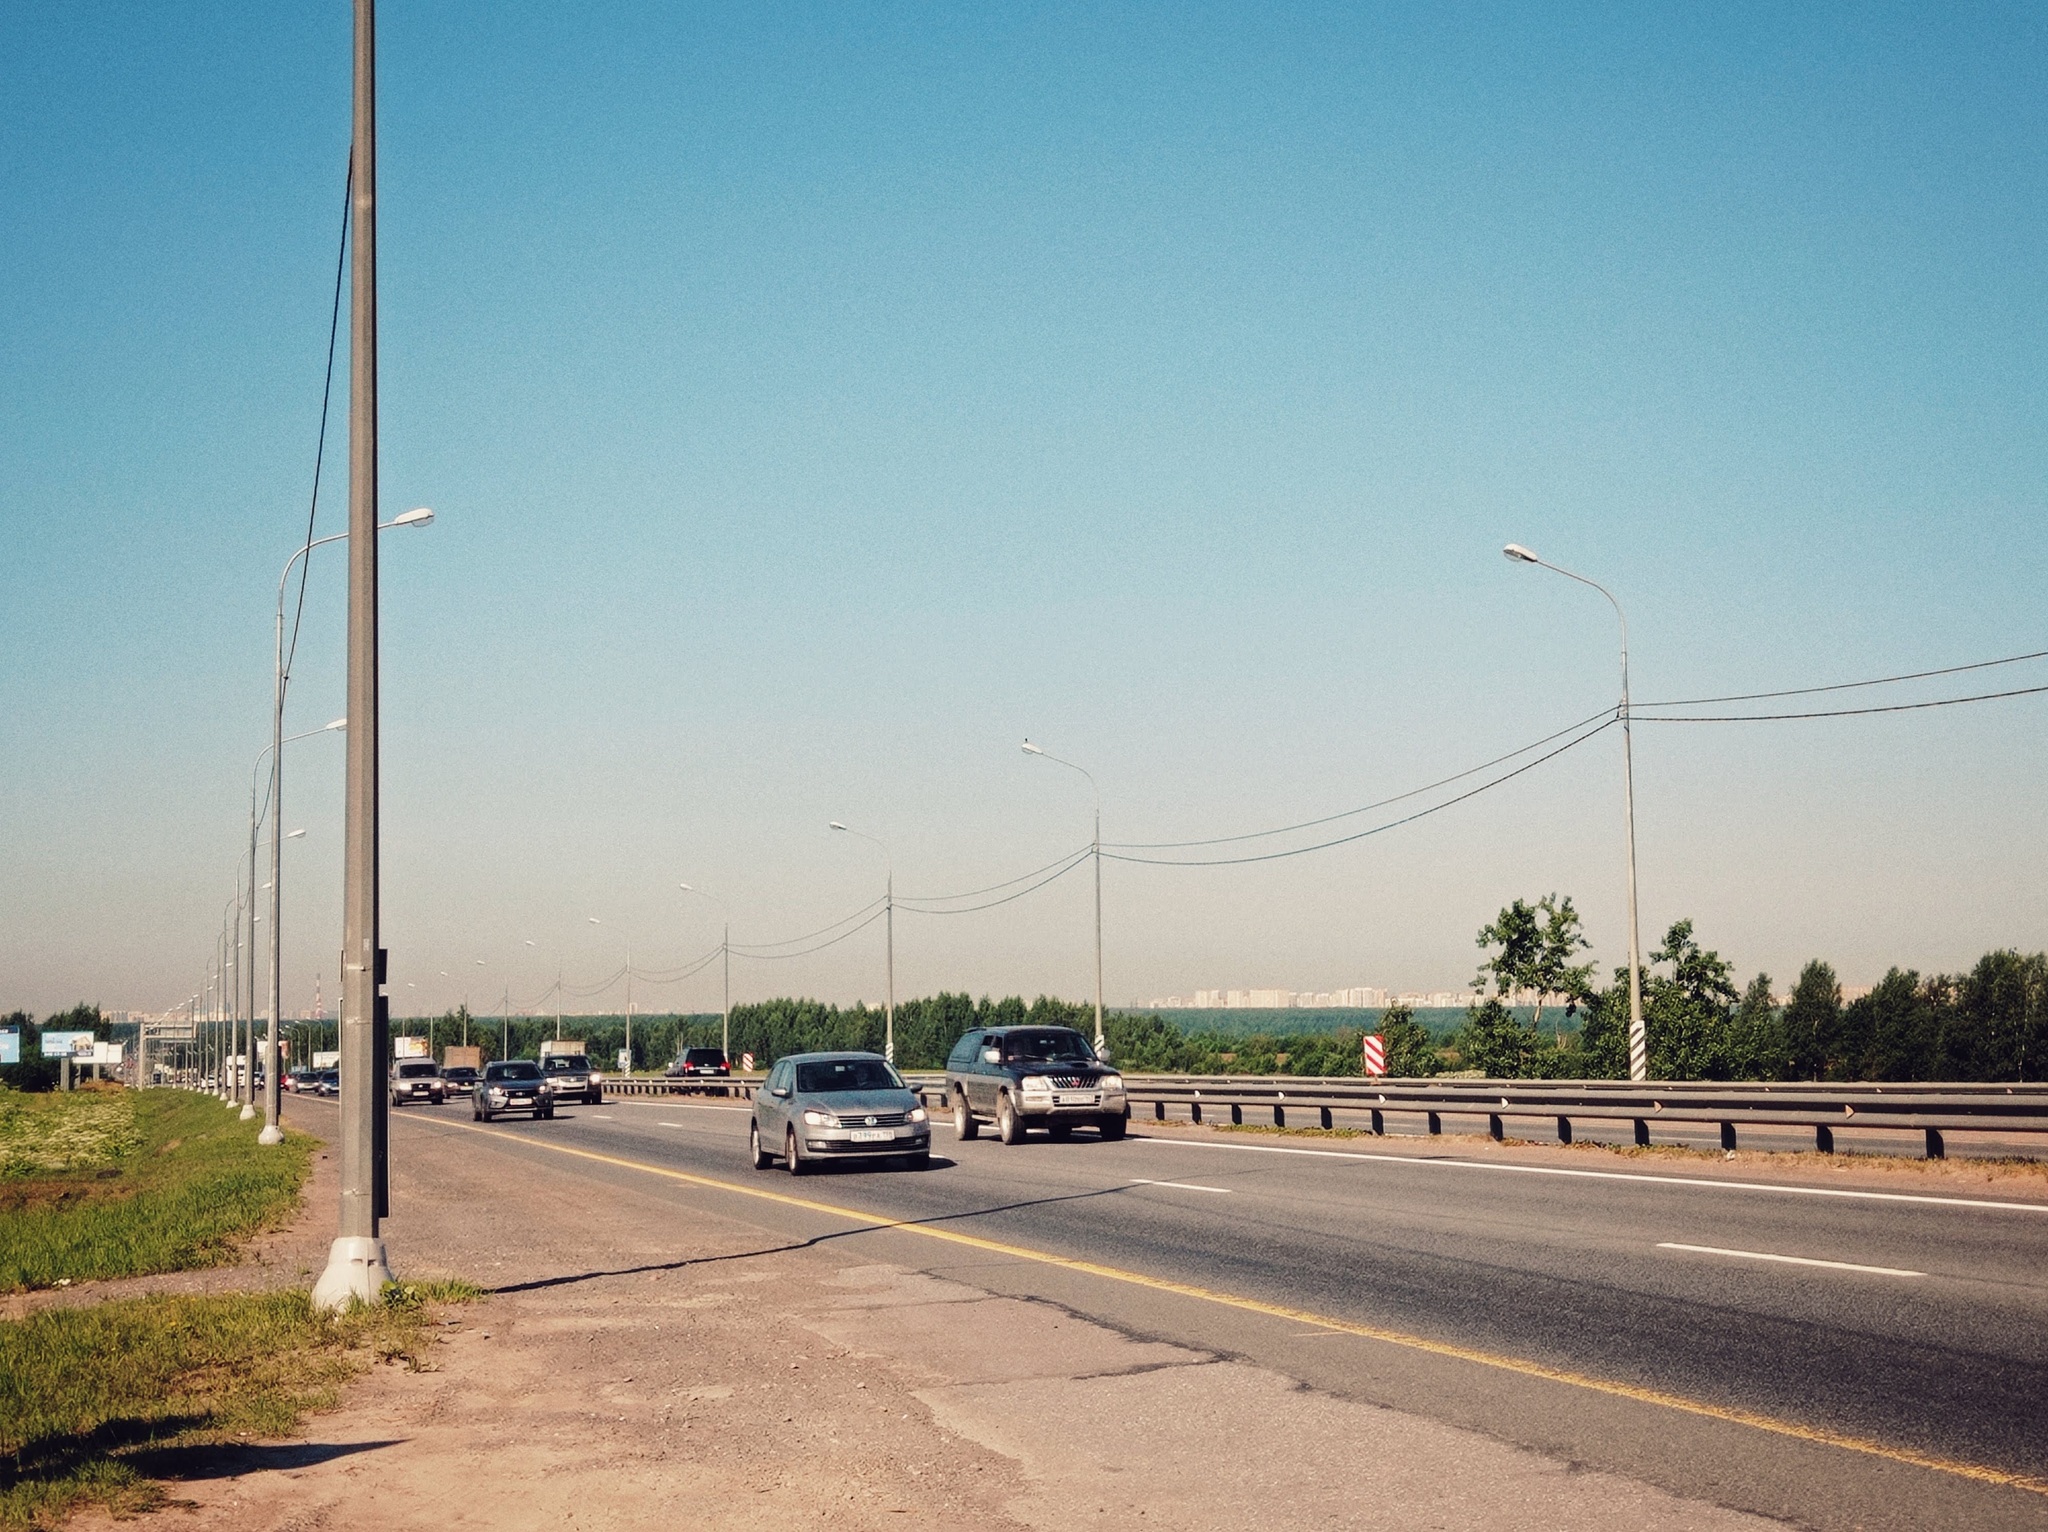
x: 1700, y: 1183
x: 1180, y: 1186
x: 600, y: 1116
x: 668, y: 1125
x: 1790, y: 1260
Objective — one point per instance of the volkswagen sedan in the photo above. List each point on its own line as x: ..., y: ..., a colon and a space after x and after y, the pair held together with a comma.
x: 815, y: 1107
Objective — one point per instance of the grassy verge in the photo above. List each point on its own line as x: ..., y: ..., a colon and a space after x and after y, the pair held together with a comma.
x: 119, y: 1183
x: 93, y: 1401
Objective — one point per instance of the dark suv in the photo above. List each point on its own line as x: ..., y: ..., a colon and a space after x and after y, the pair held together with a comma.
x: 1032, y: 1077
x: 701, y: 1065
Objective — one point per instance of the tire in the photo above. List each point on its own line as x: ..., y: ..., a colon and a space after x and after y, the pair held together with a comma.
x: 964, y: 1125
x: 791, y: 1159
x: 476, y: 1113
x: 595, y: 1098
x: 1113, y: 1128
x: 1009, y: 1123
x: 483, y: 1115
x: 762, y: 1158
x: 549, y: 1114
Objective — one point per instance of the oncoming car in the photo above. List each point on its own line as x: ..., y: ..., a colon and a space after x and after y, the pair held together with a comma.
x: 1032, y: 1077
x: 417, y: 1080
x: 573, y: 1078
x: 837, y: 1106
x: 512, y: 1085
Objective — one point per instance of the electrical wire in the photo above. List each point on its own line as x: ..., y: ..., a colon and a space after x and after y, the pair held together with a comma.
x: 1847, y: 712
x: 326, y: 402
x: 1844, y: 686
x: 1413, y: 792
x: 776, y: 957
x: 765, y: 949
x: 975, y: 893
x: 1065, y: 866
x: 1392, y: 824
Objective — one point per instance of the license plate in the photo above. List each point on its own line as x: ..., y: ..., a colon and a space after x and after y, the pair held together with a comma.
x: 1077, y: 1101
x: 873, y: 1135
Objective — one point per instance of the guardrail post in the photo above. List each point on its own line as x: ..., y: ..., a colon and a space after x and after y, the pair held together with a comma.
x: 1379, y: 1122
x: 1823, y: 1138
x: 1642, y: 1133
x: 1564, y: 1130
x: 1194, y: 1111
x: 1279, y: 1115
x: 1159, y: 1111
x: 1324, y: 1114
x: 1236, y: 1114
x: 1728, y: 1137
x: 1936, y: 1150
x: 1493, y: 1130
x: 1436, y: 1125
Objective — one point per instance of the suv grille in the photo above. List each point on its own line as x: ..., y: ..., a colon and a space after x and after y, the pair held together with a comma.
x: 1072, y: 1082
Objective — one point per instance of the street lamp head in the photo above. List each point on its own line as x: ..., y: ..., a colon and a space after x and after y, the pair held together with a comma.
x: 1520, y: 555
x: 1031, y: 749
x: 837, y: 825
x: 413, y: 518
x: 339, y: 723
x: 530, y: 942
x: 595, y: 921
x: 291, y: 835
x: 686, y: 888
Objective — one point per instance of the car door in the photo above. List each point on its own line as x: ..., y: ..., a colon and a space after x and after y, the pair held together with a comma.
x: 772, y: 1111
x: 982, y: 1079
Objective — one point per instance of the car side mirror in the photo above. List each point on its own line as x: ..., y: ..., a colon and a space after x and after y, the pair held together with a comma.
x: 780, y: 1090
x: 991, y: 1055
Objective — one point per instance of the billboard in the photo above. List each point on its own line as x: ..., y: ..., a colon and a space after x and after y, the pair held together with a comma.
x: 57, y: 1045
x: 107, y: 1053
x: 330, y: 1059
x: 10, y: 1045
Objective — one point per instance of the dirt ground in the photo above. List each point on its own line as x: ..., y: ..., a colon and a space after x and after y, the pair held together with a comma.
x: 639, y: 1364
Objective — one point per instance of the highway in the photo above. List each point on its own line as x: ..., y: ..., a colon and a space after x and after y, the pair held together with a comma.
x: 1717, y: 1338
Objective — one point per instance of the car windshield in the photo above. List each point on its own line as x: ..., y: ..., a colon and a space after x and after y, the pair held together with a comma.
x: 417, y: 1071
x: 846, y: 1074
x: 515, y: 1069
x: 1054, y: 1045
x: 565, y: 1061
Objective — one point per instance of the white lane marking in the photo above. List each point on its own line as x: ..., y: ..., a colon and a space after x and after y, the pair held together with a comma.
x: 1790, y: 1260
x: 690, y: 1106
x: 668, y: 1125
x: 600, y: 1117
x: 1700, y: 1182
x: 1180, y: 1186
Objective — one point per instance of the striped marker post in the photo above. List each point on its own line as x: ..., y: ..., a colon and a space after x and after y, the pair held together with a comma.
x: 1375, y: 1054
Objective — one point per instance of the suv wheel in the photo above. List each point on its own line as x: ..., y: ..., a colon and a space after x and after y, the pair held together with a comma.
x: 1009, y: 1126
x: 761, y: 1157
x: 964, y: 1125
x: 1113, y: 1127
x: 790, y: 1157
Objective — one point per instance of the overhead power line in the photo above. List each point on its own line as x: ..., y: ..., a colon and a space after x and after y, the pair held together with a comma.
x: 1844, y: 686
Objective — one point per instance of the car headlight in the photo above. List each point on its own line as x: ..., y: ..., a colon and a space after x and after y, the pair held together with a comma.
x: 494, y: 1094
x: 816, y: 1119
x: 1111, y: 1082
x: 596, y: 1078
x: 1037, y: 1085
x: 917, y: 1114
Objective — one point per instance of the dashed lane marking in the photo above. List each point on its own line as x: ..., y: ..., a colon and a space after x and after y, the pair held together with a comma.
x: 1821, y: 1435
x: 1789, y: 1260
x: 1180, y: 1186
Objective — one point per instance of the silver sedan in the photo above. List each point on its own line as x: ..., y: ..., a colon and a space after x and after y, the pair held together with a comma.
x: 815, y: 1107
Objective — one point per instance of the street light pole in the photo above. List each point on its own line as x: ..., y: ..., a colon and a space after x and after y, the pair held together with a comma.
x: 1095, y: 851
x: 725, y: 956
x: 889, y: 927
x: 1638, y: 1038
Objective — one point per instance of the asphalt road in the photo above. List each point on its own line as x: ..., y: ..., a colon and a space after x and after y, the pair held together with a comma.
x: 1915, y: 1324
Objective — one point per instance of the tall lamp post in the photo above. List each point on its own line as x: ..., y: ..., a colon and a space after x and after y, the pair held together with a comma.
x: 1095, y: 850
x: 1638, y: 1039
x: 725, y: 956
x: 889, y: 927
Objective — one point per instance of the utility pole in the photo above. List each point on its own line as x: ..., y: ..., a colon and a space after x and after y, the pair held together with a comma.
x: 357, y: 1268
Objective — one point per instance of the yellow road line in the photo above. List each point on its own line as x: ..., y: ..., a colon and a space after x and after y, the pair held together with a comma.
x: 1817, y: 1434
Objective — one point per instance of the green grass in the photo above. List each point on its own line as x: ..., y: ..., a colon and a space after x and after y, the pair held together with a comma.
x: 95, y: 1400
x: 118, y: 1184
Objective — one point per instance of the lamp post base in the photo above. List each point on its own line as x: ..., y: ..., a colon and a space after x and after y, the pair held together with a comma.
x: 271, y: 1134
x: 356, y: 1273
x: 248, y: 1112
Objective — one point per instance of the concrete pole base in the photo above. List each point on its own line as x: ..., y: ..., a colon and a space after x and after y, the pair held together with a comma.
x: 356, y: 1273
x: 248, y: 1112
x: 271, y: 1134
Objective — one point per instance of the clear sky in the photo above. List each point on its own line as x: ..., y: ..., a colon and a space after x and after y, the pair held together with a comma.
x: 816, y: 400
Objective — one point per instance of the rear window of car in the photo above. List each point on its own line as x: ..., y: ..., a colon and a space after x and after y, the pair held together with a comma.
x: 846, y: 1074
x: 513, y: 1069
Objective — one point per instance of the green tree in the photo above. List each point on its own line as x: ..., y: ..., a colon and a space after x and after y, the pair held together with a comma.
x: 1757, y: 1048
x: 1813, y: 1019
x: 1496, y: 1043
x: 1537, y: 944
x: 1686, y: 1012
x: 1411, y: 1051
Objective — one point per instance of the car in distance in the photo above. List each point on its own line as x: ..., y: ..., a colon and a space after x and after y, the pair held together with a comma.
x: 417, y: 1080
x: 573, y: 1078
x: 297, y: 1080
x: 1021, y: 1078
x: 700, y: 1064
x: 512, y: 1085
x: 459, y: 1079
x: 327, y: 1083
x: 815, y: 1107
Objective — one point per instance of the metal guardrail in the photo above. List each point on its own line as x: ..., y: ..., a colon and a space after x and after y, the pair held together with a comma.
x: 1826, y: 1109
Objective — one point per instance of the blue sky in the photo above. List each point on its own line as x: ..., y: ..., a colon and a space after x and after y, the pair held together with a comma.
x: 815, y: 401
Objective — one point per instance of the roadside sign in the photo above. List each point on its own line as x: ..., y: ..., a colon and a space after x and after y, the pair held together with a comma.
x: 10, y: 1045
x: 625, y: 1062
x: 57, y: 1045
x: 746, y: 1061
x: 107, y: 1053
x: 328, y: 1058
x: 1375, y: 1054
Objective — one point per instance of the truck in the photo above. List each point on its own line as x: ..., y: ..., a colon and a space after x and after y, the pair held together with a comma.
x: 551, y: 1046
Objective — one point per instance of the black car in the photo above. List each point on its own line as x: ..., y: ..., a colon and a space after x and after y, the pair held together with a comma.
x: 573, y: 1078
x: 512, y: 1085
x: 700, y: 1064
x: 459, y: 1080
x: 327, y: 1083
x: 1032, y: 1077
